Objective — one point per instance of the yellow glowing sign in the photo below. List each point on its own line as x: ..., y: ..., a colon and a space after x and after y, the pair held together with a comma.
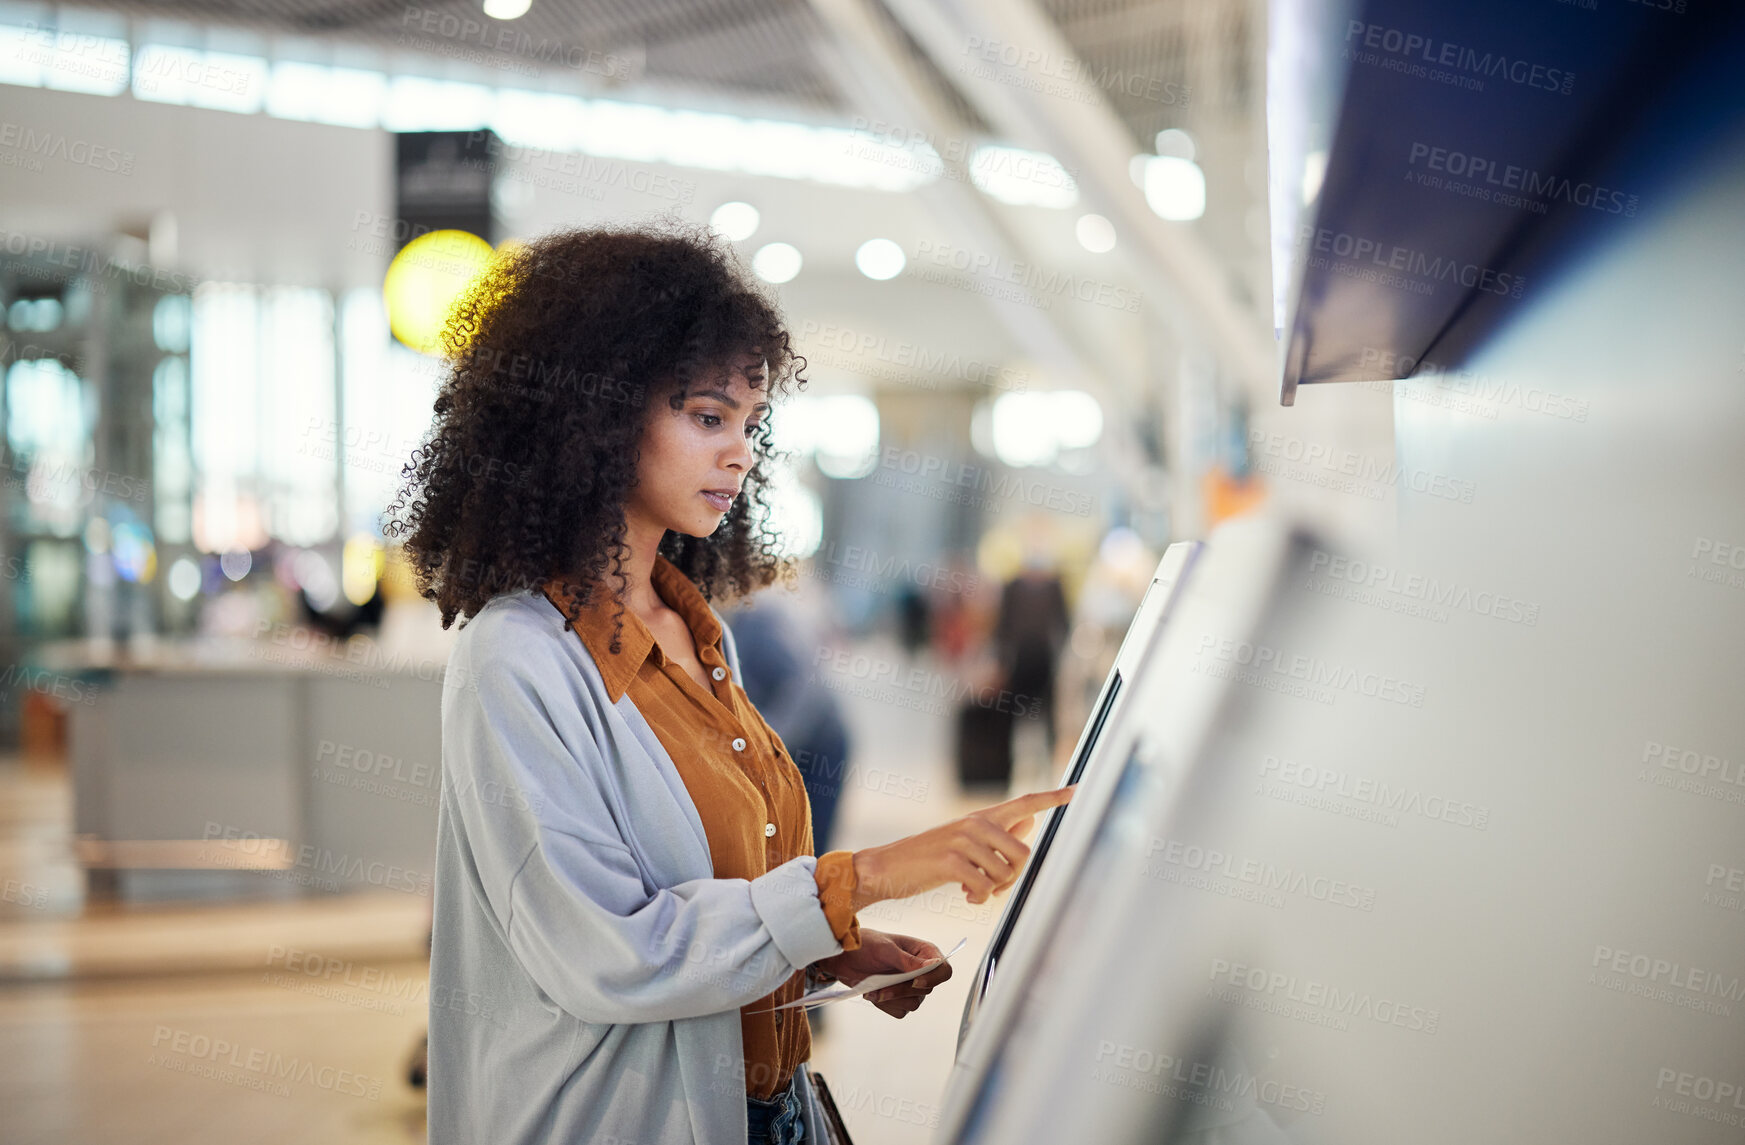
x: 360, y: 563
x: 424, y: 281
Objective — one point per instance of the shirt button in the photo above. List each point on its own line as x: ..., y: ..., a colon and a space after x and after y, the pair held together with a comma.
x: 769, y: 830
x: 719, y: 673
x: 739, y: 744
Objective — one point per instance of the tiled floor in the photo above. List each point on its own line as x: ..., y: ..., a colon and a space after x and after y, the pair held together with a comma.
x: 198, y: 1058
x: 181, y: 1026
x: 186, y: 1024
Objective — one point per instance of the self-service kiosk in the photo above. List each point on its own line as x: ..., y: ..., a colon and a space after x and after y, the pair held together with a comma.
x: 1304, y: 909
x: 1441, y: 845
x: 1111, y: 703
x: 1139, y: 764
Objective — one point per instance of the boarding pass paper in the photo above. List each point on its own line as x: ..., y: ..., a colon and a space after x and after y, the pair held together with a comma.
x: 837, y: 991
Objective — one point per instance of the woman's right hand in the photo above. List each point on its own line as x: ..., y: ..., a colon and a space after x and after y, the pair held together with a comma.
x: 984, y: 851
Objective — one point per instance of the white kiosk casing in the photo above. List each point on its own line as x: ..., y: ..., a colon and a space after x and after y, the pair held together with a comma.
x: 1142, y: 763
x: 1141, y: 637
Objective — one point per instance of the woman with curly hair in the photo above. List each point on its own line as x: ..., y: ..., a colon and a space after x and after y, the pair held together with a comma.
x: 625, y: 887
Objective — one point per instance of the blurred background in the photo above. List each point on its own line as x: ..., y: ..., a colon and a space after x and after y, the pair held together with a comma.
x: 1024, y: 247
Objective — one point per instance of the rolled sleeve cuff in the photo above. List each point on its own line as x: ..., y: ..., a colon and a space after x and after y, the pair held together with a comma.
x: 837, y: 883
x: 787, y: 900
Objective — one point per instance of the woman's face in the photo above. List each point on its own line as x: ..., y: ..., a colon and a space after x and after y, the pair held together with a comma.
x: 695, y: 458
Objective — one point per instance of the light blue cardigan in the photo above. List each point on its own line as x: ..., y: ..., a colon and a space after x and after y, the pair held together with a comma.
x: 586, y: 968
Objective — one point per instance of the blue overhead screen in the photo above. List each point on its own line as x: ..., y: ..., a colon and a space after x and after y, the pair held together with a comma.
x: 1477, y: 150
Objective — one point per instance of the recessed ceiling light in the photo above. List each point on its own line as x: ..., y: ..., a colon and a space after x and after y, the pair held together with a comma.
x: 1096, y: 234
x: 1174, y: 142
x: 735, y: 221
x: 880, y: 259
x: 776, y: 262
x: 1175, y: 188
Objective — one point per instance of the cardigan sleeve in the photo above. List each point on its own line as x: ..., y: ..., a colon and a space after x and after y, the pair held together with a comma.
x: 566, y: 890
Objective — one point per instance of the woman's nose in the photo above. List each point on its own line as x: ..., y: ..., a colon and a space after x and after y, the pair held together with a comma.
x: 740, y: 456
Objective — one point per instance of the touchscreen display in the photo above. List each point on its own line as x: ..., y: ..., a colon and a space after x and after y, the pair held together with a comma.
x: 1039, y: 852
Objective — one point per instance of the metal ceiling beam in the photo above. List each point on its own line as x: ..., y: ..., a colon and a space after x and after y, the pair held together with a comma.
x: 878, y: 74
x: 1074, y: 123
x: 878, y: 71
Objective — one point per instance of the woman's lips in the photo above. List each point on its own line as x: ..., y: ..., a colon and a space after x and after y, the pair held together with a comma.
x: 720, y: 502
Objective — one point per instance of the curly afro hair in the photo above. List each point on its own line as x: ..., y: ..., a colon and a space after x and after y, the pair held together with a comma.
x: 556, y: 354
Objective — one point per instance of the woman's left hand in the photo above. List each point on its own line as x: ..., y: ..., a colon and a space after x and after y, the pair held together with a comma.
x: 882, y: 953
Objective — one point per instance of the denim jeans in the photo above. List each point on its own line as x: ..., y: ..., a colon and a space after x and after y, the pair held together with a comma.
x: 777, y: 1121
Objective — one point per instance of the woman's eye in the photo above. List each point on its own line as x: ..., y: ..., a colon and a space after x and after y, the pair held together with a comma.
x: 710, y: 420
x: 751, y: 428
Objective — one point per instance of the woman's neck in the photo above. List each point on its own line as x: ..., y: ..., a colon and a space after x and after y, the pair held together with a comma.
x: 642, y: 544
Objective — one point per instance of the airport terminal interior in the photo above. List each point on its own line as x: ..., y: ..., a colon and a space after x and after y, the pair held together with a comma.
x: 1310, y: 427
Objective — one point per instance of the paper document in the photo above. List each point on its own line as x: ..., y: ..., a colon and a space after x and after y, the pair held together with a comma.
x: 837, y: 991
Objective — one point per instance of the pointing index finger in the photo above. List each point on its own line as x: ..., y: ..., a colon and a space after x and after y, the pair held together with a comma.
x: 1024, y: 806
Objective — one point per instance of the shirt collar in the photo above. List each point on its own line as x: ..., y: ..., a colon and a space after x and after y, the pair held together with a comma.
x: 684, y: 597
x: 594, y: 621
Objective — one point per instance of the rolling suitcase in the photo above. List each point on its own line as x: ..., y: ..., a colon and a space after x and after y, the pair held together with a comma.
x: 984, y: 746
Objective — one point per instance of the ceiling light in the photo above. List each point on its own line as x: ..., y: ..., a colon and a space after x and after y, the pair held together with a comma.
x: 600, y: 129
x: 1175, y: 188
x: 222, y: 81
x: 1023, y: 178
x: 33, y: 56
x: 507, y: 9
x: 1174, y: 142
x: 541, y: 120
x: 415, y: 103
x: 776, y: 262
x: 344, y: 97
x: 1096, y: 234
x: 880, y: 259
x: 734, y: 221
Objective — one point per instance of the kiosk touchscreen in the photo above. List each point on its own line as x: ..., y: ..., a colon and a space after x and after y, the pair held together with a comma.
x: 1154, y: 608
x: 1142, y: 760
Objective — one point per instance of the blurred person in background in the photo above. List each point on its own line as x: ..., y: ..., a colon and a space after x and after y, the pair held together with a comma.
x: 1029, y: 634
x: 625, y: 885
x: 776, y: 645
x: 913, y: 619
x: 952, y: 621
